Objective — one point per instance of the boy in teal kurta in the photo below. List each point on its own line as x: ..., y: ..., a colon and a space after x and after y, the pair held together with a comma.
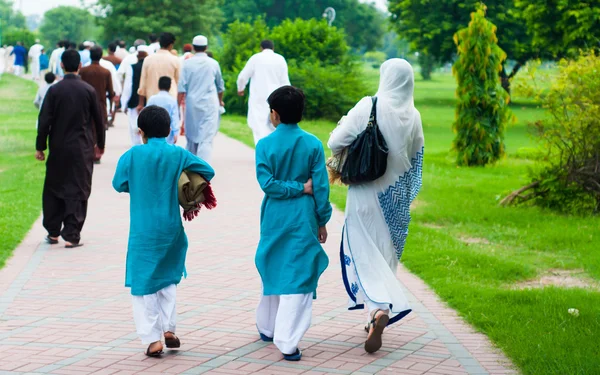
x: 157, y: 241
x: 290, y: 168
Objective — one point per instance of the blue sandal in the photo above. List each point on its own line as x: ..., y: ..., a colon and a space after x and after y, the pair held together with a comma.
x: 293, y: 357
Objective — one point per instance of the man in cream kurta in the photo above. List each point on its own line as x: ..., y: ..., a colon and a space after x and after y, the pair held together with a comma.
x: 266, y: 71
x: 160, y: 64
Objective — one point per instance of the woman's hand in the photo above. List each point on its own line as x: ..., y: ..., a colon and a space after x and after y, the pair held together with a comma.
x: 308, y: 187
x: 323, y: 234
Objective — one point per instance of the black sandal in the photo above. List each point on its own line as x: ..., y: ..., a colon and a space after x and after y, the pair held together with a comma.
x: 153, y: 354
x: 73, y: 245
x: 51, y: 241
x: 374, y: 340
x: 172, y: 343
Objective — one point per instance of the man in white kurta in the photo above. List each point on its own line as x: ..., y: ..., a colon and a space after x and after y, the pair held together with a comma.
x: 2, y: 59
x: 201, y: 86
x: 34, y: 54
x: 266, y: 71
x: 117, y: 88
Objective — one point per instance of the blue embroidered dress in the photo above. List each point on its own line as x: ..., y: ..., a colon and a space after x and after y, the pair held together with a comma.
x: 378, y: 212
x: 290, y: 258
x: 157, y: 242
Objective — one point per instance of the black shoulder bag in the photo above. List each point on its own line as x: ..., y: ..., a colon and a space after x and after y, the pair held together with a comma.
x: 367, y: 155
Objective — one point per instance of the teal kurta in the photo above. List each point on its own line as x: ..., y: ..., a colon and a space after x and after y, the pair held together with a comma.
x: 290, y: 258
x: 157, y: 242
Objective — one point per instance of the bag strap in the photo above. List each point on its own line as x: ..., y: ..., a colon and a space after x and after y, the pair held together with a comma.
x: 373, y: 116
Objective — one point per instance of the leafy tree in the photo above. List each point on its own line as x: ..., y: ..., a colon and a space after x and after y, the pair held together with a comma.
x: 562, y: 27
x: 132, y: 19
x: 430, y: 25
x: 482, y: 107
x: 568, y: 178
x: 67, y: 22
x: 363, y: 23
x: 11, y: 22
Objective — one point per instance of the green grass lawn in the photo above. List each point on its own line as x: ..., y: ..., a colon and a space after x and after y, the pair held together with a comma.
x: 474, y: 253
x: 21, y: 176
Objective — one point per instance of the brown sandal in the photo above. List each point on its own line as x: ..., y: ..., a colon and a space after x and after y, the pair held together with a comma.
x: 153, y: 354
x: 173, y: 342
x: 374, y: 340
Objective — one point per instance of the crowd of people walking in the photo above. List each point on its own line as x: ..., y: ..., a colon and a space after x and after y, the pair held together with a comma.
x: 165, y: 97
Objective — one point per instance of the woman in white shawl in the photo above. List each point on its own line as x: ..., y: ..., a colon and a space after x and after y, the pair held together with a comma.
x: 378, y: 212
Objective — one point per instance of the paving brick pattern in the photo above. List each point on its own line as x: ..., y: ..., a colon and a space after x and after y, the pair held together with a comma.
x: 67, y: 312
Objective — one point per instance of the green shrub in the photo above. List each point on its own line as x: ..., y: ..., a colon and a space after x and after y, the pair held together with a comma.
x: 482, y: 107
x: 318, y: 57
x: 240, y: 42
x: 568, y: 179
x: 375, y: 58
x: 330, y: 90
x: 12, y: 35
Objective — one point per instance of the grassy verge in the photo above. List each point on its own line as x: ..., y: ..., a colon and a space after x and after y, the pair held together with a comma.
x: 21, y: 176
x: 475, y: 255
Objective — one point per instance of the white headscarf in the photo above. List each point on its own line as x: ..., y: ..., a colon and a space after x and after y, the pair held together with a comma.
x: 396, y: 88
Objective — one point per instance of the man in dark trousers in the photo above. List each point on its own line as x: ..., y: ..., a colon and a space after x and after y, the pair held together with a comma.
x: 72, y: 119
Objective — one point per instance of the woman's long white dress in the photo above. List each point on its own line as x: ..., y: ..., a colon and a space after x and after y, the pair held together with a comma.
x: 378, y: 213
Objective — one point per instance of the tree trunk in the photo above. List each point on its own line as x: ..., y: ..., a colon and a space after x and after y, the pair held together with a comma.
x: 426, y: 63
x: 506, y: 79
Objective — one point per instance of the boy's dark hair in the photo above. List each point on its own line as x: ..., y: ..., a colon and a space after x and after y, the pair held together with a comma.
x: 72, y: 45
x: 153, y: 38
x: 112, y: 47
x: 288, y: 101
x: 267, y: 44
x: 49, y: 77
x: 81, y: 47
x: 200, y: 48
x: 155, y: 122
x: 122, y: 44
x: 164, y: 83
x: 71, y: 60
x: 96, y: 53
x: 166, y: 39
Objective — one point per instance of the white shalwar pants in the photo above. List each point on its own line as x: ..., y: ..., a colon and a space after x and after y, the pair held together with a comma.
x: 18, y: 70
x: 154, y: 314
x: 262, y: 131
x: 285, y: 318
x: 35, y: 69
x: 203, y: 150
x: 133, y: 114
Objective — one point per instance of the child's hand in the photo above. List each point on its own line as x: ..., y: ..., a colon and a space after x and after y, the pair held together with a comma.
x: 323, y: 234
x: 308, y: 187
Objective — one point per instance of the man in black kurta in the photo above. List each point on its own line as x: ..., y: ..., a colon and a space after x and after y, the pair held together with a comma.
x: 71, y: 118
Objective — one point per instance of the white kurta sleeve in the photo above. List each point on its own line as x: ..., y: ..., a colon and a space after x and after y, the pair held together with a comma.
x: 127, y: 87
x: 349, y: 129
x: 245, y: 75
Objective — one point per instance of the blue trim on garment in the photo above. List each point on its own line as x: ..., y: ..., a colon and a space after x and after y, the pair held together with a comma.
x: 395, y: 202
x: 344, y: 274
x: 393, y: 320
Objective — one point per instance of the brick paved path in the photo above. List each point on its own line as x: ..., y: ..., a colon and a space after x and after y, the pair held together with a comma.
x: 66, y: 311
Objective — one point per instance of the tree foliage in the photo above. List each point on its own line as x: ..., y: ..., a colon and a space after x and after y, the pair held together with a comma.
x: 67, y: 22
x: 482, y: 107
x: 430, y: 25
x: 562, y: 27
x: 131, y: 19
x: 318, y: 59
x: 13, y: 23
x: 363, y: 23
x: 569, y: 177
